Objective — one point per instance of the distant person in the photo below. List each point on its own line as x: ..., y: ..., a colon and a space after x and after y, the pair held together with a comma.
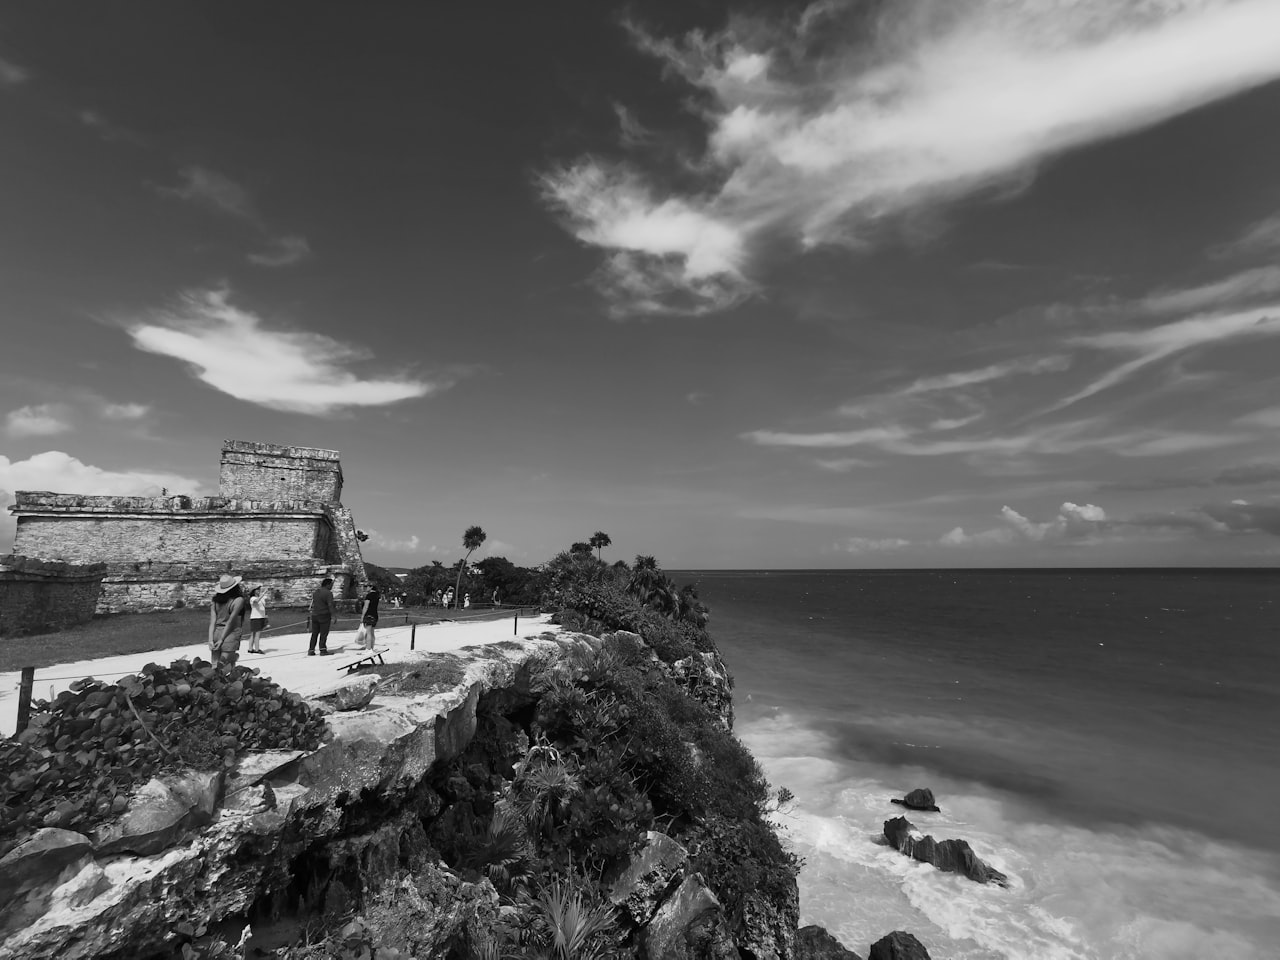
x: 466, y: 602
x: 321, y: 615
x: 369, y: 616
x: 448, y: 598
x: 257, y: 619
x: 226, y: 620
x: 497, y: 601
x: 438, y: 599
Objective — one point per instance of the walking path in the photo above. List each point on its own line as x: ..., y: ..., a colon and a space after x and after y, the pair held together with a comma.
x: 285, y: 659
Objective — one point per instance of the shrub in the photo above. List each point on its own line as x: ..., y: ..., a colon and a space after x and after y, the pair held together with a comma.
x: 738, y: 857
x: 75, y: 764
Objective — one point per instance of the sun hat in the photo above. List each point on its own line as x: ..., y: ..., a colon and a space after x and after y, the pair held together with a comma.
x: 226, y: 582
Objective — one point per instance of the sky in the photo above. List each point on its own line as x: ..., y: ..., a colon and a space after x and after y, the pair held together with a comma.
x: 847, y: 284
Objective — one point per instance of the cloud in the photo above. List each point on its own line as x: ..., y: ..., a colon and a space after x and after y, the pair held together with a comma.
x: 1073, y: 522
x: 40, y: 420
x: 1260, y: 237
x: 125, y: 411
x: 394, y: 545
x: 212, y: 190
x: 11, y: 75
x: 62, y: 473
x: 233, y: 350
x: 284, y: 252
x: 1243, y: 475
x: 1268, y: 418
x: 957, y: 537
x: 827, y: 136
x: 872, y: 545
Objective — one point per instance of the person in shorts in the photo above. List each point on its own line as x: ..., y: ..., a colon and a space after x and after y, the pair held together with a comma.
x: 226, y: 620
x: 369, y: 616
x: 257, y: 619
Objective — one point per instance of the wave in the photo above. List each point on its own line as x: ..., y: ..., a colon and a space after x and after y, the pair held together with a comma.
x: 1116, y: 892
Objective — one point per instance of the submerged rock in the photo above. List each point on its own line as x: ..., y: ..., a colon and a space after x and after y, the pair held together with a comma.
x: 919, y: 799
x: 953, y: 856
x: 815, y: 943
x: 898, y: 945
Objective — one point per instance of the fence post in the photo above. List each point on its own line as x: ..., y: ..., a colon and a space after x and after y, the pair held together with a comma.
x: 515, y: 622
x: 24, y: 698
x: 413, y: 634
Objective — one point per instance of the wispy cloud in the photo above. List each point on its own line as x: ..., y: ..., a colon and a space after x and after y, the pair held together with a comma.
x: 214, y: 191
x: 823, y: 136
x: 284, y: 252
x: 872, y: 544
x: 11, y: 75
x: 1260, y: 237
x: 237, y: 352
x: 408, y: 544
x: 125, y: 411
x: 39, y: 420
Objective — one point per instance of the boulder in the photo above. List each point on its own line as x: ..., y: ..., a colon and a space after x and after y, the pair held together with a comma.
x: 159, y: 812
x: 78, y: 890
x: 354, y: 694
x: 814, y: 943
x: 767, y: 929
x: 920, y: 799
x: 642, y: 884
x: 898, y: 945
x: 39, y: 860
x: 953, y: 856
x: 706, y: 679
x: 689, y: 925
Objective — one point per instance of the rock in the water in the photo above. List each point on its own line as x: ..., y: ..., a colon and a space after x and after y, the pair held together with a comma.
x: 690, y: 926
x: 640, y: 887
x: 920, y: 799
x: 898, y: 945
x: 953, y: 856
x: 815, y: 943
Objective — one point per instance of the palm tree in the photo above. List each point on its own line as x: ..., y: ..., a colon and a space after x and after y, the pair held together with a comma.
x: 600, y: 540
x: 471, y: 540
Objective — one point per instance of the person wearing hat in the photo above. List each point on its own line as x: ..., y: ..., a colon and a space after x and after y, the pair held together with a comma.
x: 226, y: 620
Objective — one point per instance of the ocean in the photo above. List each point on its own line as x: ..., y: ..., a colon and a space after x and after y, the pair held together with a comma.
x: 1110, y: 739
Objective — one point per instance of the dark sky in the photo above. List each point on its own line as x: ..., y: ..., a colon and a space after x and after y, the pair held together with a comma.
x: 858, y: 284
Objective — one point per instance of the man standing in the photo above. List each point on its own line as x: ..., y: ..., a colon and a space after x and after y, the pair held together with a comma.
x: 321, y: 615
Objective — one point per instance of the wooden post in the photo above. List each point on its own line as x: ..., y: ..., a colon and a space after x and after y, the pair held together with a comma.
x: 515, y: 622
x: 413, y: 634
x: 24, y: 698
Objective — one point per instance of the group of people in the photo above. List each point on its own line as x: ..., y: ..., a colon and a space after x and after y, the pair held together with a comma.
x: 232, y: 606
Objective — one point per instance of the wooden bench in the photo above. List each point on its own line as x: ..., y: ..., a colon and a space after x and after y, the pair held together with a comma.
x: 371, y: 657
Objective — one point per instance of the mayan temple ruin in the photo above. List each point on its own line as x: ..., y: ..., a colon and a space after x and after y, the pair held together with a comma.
x: 278, y: 521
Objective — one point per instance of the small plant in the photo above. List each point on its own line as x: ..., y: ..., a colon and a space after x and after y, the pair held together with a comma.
x: 575, y: 928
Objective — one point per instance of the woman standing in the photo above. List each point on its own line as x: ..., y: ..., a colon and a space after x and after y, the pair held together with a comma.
x: 226, y: 620
x: 257, y: 619
x: 369, y: 616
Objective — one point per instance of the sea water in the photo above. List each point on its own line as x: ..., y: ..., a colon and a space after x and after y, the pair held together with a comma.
x: 1108, y: 739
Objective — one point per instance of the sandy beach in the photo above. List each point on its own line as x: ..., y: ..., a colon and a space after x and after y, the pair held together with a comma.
x: 285, y: 660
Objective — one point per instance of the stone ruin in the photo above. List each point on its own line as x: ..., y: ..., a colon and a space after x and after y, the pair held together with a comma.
x: 278, y: 521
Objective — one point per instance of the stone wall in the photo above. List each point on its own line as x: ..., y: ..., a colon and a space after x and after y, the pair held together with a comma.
x: 91, y: 528
x: 267, y: 471
x: 136, y: 587
x: 344, y: 545
x: 41, y: 596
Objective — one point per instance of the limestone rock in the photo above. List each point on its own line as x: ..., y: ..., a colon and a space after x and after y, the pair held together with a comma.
x: 706, y: 679
x: 898, y: 945
x: 88, y: 883
x: 953, y: 856
x: 767, y: 930
x: 38, y: 860
x: 355, y: 694
x: 640, y: 887
x: 815, y: 943
x: 689, y: 925
x: 159, y: 812
x: 920, y: 799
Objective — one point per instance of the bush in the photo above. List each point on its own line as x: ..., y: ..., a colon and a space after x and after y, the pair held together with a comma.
x: 76, y: 763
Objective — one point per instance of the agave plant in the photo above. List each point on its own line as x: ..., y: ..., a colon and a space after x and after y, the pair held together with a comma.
x: 542, y: 791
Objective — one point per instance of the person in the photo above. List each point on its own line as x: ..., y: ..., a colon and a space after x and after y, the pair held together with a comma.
x: 257, y: 619
x: 322, y: 612
x: 447, y: 602
x: 466, y: 602
x: 226, y: 620
x: 438, y: 598
x: 497, y: 600
x: 369, y: 615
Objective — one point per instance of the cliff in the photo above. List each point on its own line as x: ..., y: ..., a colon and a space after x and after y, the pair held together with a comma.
x: 403, y: 814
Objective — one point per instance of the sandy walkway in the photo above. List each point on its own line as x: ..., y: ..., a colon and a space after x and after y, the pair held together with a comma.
x: 285, y: 660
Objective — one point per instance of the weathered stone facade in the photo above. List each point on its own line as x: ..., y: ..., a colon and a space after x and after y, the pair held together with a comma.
x: 165, y: 552
x: 39, y: 596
